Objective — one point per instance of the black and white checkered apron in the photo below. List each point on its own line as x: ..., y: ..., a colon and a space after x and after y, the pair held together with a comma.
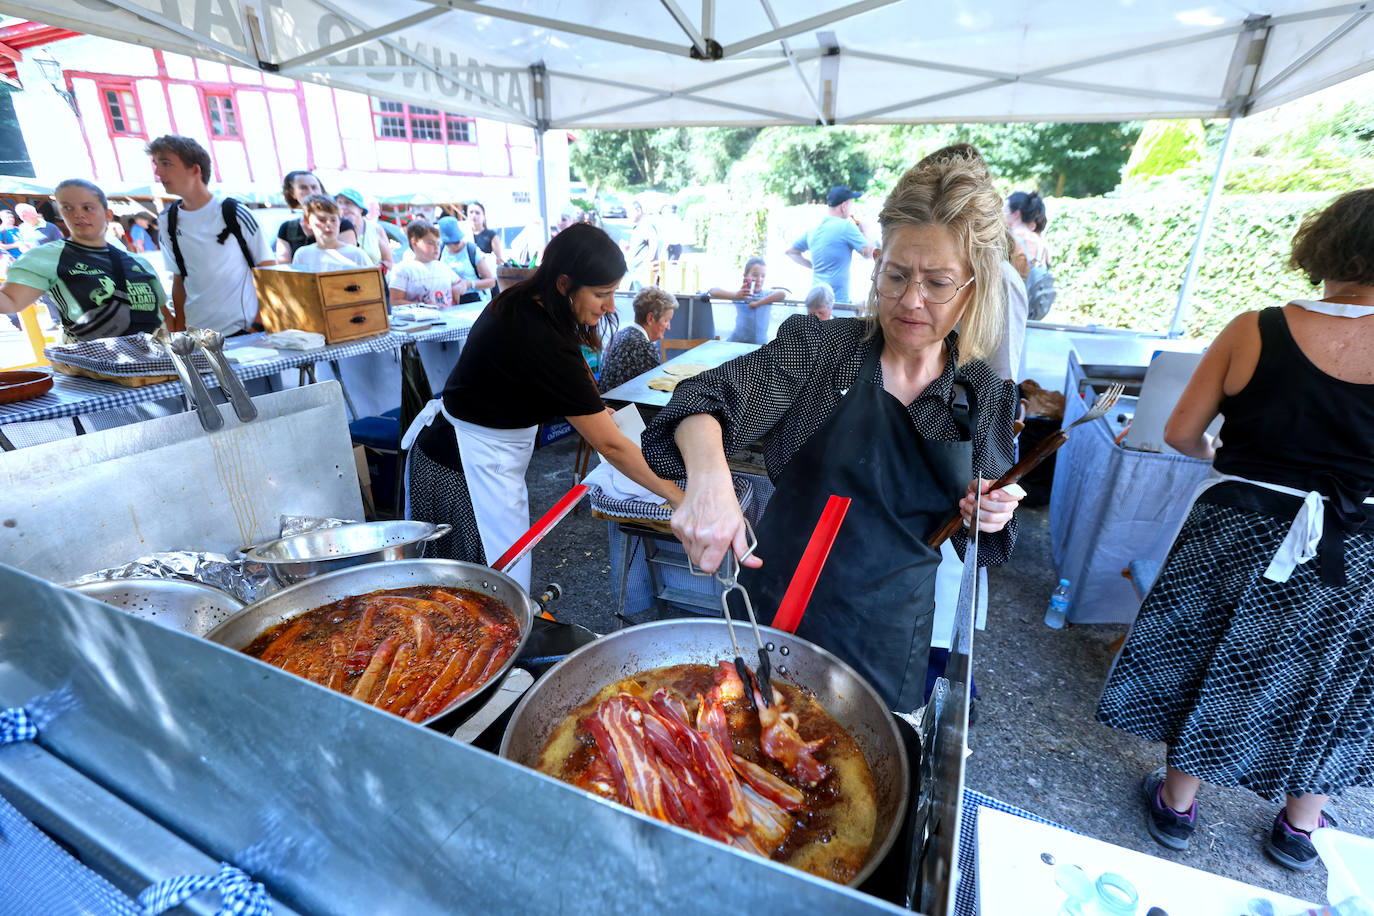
x: 1264, y: 685
x: 439, y: 494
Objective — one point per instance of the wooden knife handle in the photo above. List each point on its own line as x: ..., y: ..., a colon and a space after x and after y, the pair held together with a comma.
x: 1028, y: 463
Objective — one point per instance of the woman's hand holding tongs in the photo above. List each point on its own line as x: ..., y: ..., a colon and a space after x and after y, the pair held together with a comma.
x: 709, y: 521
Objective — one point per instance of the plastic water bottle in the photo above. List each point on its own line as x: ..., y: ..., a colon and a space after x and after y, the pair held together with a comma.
x: 1058, y: 611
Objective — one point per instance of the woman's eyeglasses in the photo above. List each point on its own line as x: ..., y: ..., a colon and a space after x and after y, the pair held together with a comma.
x: 891, y: 284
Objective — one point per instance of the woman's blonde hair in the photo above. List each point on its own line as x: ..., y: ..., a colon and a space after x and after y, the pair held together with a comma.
x: 951, y: 187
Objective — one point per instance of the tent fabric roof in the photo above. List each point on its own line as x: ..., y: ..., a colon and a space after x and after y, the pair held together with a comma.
x: 641, y: 63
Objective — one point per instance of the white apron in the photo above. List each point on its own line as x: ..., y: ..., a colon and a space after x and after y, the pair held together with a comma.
x: 494, y: 464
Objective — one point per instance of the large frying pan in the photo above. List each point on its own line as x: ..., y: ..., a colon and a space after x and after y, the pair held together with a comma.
x: 845, y: 695
x: 244, y: 627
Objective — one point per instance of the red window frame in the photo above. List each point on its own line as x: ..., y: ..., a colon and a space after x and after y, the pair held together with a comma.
x: 469, y: 126
x: 233, y: 111
x: 392, y: 120
x: 119, y: 87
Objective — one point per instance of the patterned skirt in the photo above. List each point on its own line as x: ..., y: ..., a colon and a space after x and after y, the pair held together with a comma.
x: 1263, y: 685
x: 439, y: 494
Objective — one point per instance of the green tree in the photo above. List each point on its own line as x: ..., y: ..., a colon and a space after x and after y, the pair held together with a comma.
x: 1165, y: 147
x: 632, y: 158
x: 1062, y: 160
x: 713, y: 150
x: 799, y: 164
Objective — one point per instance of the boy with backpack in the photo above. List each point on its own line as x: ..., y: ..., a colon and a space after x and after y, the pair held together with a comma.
x: 209, y: 243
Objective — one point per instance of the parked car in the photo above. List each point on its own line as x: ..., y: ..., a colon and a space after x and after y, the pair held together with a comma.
x: 610, y: 207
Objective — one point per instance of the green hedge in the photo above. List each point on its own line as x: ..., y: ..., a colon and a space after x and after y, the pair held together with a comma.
x: 1120, y: 261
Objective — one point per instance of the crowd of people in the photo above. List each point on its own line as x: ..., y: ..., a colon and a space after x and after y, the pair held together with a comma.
x: 1251, y: 659
x: 94, y: 282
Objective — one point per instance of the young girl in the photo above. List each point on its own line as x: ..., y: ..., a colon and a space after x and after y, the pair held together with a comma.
x: 424, y: 279
x: 327, y: 252
x: 753, y: 303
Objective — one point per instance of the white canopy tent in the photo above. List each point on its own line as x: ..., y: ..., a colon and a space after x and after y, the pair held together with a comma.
x: 648, y: 63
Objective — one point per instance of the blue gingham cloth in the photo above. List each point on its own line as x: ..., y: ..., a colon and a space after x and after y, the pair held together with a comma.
x: 966, y: 896
x: 131, y: 355
x: 37, y: 876
x: 639, y: 509
x: 240, y: 895
x: 15, y: 725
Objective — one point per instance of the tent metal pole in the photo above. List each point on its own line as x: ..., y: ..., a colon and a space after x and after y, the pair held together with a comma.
x: 837, y: 14
x: 542, y: 183
x: 539, y: 83
x: 801, y: 77
x: 1340, y: 32
x: 1204, y: 227
x: 687, y: 26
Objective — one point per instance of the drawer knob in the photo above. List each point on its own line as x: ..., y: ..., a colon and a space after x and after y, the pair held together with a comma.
x: 358, y: 319
x: 352, y: 288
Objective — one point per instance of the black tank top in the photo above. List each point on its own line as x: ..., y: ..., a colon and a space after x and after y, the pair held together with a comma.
x: 1293, y: 424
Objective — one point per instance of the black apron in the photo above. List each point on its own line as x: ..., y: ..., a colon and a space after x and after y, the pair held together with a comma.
x: 875, y: 601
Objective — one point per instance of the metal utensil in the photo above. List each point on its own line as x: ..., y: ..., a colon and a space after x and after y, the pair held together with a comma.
x: 212, y: 342
x: 1051, y: 443
x: 241, y: 629
x: 313, y: 553
x: 700, y: 641
x: 727, y: 574
x: 174, y: 603
x: 181, y: 346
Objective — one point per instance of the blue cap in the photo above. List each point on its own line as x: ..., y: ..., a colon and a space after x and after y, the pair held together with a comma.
x: 450, y: 232
x: 838, y: 195
x: 354, y: 196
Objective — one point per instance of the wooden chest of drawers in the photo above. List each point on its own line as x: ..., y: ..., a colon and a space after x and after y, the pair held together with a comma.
x: 340, y: 304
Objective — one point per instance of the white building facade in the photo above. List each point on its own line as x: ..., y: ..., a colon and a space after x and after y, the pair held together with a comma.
x: 112, y: 98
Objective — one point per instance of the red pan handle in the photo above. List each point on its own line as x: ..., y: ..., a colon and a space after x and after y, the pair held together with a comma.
x: 541, y: 528
x: 813, y: 559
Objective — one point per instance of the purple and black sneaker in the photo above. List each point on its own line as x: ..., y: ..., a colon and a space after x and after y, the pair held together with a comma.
x: 1167, y: 826
x: 1291, y: 847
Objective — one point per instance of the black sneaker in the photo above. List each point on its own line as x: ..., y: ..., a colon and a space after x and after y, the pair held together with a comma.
x: 1167, y: 826
x: 1291, y: 847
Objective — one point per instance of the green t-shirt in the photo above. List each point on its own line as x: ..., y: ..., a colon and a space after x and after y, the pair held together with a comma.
x: 123, y: 297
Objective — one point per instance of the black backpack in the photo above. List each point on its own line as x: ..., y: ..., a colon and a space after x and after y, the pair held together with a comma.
x: 229, y: 210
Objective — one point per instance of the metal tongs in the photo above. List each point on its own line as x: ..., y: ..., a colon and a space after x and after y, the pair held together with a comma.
x: 727, y: 574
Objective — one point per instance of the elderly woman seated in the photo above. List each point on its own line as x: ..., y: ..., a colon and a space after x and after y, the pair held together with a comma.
x: 820, y: 301
x: 632, y: 349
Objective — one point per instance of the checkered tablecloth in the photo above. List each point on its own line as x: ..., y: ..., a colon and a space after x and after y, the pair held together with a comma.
x: 131, y: 355
x: 72, y: 396
x: 966, y: 896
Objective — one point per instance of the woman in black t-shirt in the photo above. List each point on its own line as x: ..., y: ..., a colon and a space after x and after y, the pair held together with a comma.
x: 483, y: 236
x: 295, y: 234
x: 521, y: 366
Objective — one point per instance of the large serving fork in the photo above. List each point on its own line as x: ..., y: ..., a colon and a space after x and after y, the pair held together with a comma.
x: 728, y: 576
x: 1105, y: 401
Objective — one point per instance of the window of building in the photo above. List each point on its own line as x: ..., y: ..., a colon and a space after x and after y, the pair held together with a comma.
x: 391, y: 120
x: 425, y: 124
x: 224, y: 120
x: 459, y: 129
x: 121, y: 111
x: 399, y: 121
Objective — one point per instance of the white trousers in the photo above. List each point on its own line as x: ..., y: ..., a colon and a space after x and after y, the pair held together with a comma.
x: 494, y: 463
